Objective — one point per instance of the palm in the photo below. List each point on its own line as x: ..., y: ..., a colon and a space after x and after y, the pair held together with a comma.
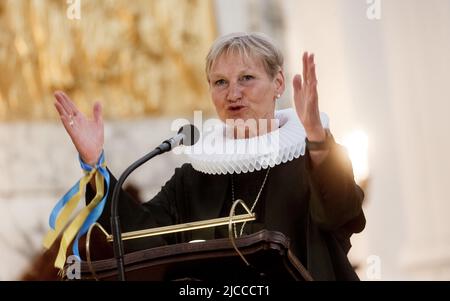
x: 87, y: 134
x: 306, y: 98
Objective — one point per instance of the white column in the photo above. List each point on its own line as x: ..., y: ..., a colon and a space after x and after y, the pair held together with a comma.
x: 418, y: 43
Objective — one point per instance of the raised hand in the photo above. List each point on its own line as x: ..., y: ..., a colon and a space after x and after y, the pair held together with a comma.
x: 87, y: 134
x: 307, y: 101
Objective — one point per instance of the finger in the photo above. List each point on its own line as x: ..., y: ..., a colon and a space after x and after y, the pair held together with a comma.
x: 65, y: 120
x: 70, y: 104
x: 98, y: 118
x: 59, y: 104
x: 311, y: 59
x: 305, y: 67
x: 313, y: 74
x: 63, y: 100
x: 297, y: 83
x: 314, y: 83
x: 60, y: 109
x: 310, y: 64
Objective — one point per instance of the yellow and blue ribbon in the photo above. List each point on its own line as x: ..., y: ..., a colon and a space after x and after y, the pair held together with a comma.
x: 60, y: 216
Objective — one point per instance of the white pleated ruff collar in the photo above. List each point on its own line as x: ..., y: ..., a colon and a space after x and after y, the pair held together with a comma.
x: 216, y: 154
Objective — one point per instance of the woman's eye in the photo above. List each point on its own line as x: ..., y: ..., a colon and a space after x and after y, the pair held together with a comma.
x: 219, y: 82
x: 247, y: 77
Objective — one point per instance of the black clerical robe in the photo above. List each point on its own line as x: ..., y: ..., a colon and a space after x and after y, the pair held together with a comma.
x: 318, y: 209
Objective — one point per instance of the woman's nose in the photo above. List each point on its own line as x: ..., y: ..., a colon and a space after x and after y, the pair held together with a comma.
x: 234, y: 92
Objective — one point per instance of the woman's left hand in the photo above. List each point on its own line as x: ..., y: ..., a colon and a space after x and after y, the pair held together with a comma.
x: 307, y: 100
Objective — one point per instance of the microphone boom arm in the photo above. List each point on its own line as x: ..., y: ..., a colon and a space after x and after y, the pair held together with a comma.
x: 115, y: 220
x: 187, y: 135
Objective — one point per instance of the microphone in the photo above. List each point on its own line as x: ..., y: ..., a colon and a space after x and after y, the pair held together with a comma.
x: 187, y: 135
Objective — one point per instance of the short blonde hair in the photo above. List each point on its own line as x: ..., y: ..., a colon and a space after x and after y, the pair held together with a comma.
x: 255, y: 45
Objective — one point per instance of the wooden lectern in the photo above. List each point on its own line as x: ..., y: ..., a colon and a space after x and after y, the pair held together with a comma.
x: 267, y: 252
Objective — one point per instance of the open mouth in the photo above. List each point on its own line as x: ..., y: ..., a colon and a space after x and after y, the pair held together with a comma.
x: 236, y: 108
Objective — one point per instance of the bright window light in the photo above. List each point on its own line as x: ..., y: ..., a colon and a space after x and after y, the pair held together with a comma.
x: 357, y: 144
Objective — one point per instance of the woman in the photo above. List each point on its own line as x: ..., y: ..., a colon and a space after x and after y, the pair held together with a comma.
x: 306, y: 190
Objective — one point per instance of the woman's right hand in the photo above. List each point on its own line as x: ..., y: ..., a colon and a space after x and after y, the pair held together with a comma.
x: 87, y: 134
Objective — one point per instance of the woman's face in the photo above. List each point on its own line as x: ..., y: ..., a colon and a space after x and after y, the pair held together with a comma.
x: 241, y: 88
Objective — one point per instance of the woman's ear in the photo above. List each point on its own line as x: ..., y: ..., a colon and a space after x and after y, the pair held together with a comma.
x: 279, y: 82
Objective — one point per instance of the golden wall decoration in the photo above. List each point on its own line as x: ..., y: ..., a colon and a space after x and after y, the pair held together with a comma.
x: 139, y: 57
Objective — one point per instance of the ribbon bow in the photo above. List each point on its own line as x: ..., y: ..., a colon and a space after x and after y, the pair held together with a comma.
x: 60, y: 215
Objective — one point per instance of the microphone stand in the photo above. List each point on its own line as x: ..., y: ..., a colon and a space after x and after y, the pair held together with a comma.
x: 115, y: 221
x: 187, y: 135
